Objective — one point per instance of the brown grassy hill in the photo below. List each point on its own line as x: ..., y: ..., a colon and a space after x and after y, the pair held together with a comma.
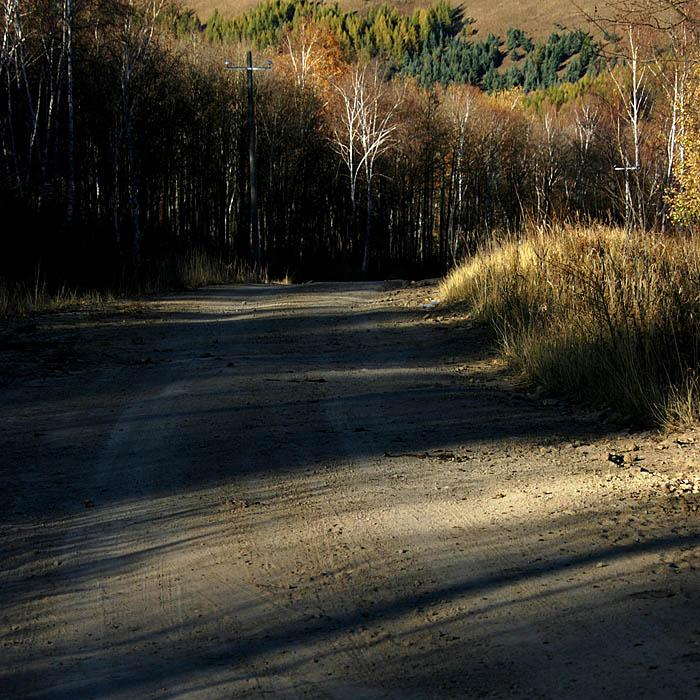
x: 537, y: 17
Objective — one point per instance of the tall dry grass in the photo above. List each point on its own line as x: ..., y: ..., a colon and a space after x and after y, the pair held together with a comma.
x: 592, y: 313
x: 197, y: 268
x: 189, y: 271
x: 24, y: 299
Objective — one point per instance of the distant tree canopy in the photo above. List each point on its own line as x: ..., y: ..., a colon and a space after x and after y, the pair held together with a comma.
x: 452, y: 59
x: 386, y: 144
x: 383, y: 31
x: 432, y: 44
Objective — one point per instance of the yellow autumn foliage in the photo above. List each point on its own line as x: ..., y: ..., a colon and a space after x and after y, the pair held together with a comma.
x: 685, y: 201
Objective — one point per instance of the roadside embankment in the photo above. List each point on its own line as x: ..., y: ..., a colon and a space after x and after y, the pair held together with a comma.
x: 596, y: 314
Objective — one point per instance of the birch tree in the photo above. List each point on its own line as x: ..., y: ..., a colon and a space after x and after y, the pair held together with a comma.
x: 304, y: 54
x: 135, y: 45
x: 458, y: 104
x: 9, y: 57
x: 70, y: 148
x: 661, y: 39
x: 633, y: 96
x: 364, y: 134
x: 36, y: 62
x: 345, y: 143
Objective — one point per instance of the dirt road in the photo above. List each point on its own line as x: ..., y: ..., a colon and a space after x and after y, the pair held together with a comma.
x: 326, y: 491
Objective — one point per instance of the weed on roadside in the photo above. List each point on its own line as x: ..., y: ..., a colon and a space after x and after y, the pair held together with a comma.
x: 594, y: 313
x: 188, y: 271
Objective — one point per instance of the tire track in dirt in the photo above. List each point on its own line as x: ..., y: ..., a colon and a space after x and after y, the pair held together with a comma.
x: 318, y: 492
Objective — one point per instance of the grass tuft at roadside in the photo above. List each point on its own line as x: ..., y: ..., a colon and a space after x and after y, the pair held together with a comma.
x: 190, y: 270
x: 24, y: 299
x: 593, y: 313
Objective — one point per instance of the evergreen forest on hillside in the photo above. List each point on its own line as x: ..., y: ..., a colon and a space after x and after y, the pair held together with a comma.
x: 387, y: 144
x: 434, y: 45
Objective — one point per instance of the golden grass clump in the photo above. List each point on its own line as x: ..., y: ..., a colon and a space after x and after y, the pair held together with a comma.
x: 190, y: 270
x: 200, y: 269
x: 594, y: 313
x: 19, y: 300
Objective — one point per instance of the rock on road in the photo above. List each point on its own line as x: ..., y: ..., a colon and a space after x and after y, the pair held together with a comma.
x: 325, y: 491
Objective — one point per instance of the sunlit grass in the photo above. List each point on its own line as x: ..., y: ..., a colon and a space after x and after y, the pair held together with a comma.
x: 195, y: 269
x: 191, y: 270
x: 200, y: 269
x: 24, y: 299
x: 593, y: 313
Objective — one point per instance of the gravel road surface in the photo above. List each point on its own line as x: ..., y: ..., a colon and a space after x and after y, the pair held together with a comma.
x: 327, y: 491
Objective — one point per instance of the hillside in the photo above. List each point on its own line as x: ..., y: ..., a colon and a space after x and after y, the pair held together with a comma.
x: 537, y: 17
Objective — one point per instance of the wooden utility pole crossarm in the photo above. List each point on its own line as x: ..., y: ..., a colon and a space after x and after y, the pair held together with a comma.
x: 253, y: 161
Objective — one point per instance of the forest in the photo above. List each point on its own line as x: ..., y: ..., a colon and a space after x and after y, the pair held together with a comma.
x: 386, y: 144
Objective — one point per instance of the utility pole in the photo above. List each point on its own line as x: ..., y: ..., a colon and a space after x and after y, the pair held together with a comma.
x: 253, y: 161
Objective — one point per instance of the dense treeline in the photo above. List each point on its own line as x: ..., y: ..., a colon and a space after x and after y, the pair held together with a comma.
x: 382, y: 31
x: 123, y: 144
x: 452, y: 59
x: 433, y: 44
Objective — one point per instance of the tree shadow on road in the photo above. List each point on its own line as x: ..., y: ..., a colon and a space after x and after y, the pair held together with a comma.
x: 216, y: 424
